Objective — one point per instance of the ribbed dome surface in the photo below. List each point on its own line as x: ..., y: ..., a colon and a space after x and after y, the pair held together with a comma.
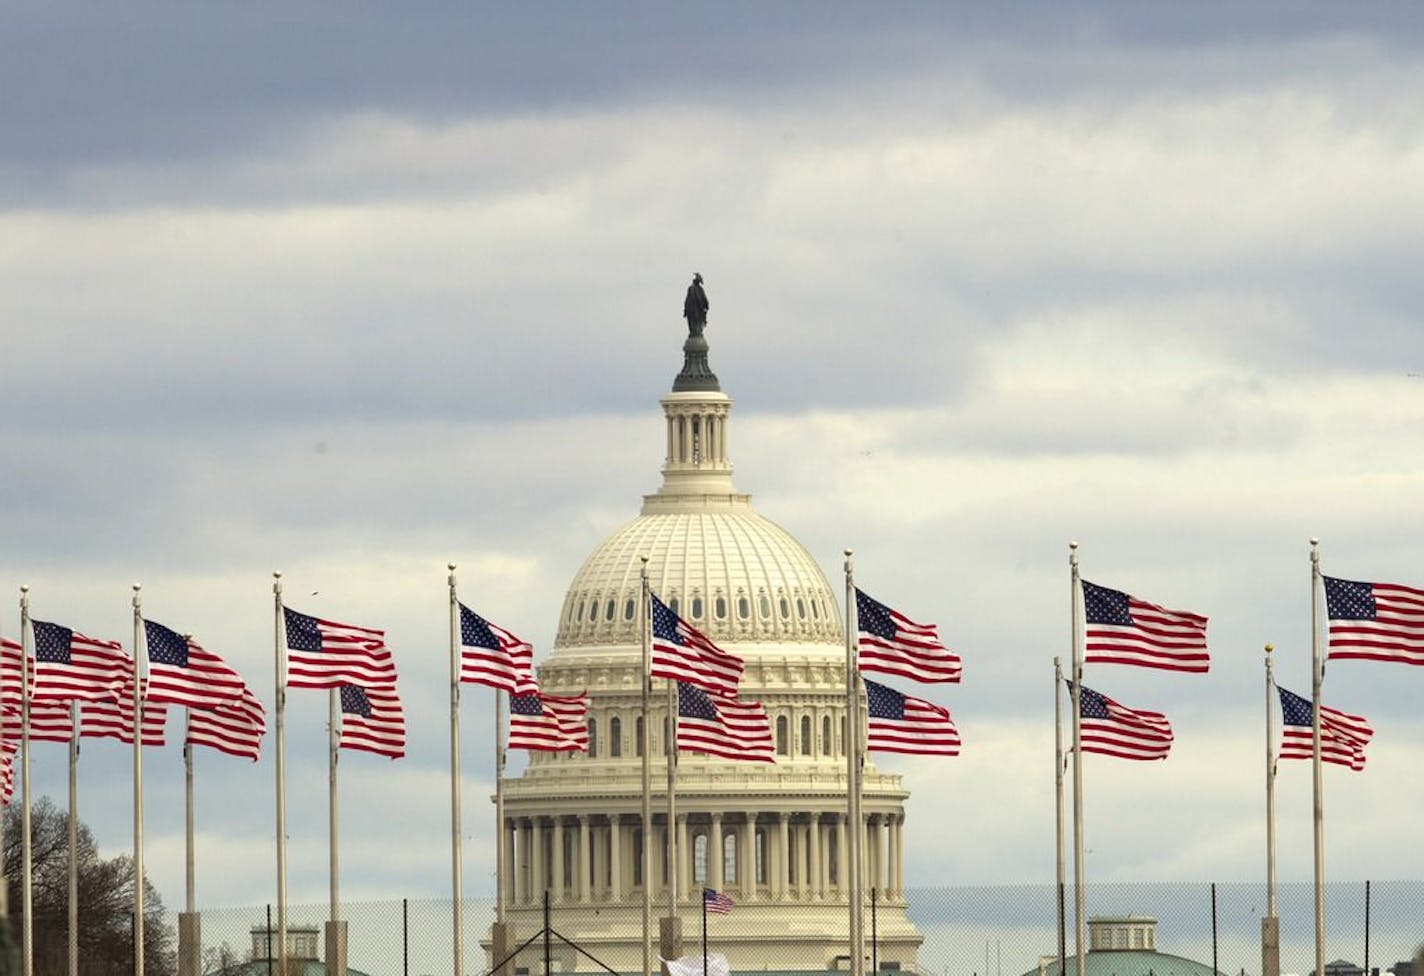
x: 735, y: 576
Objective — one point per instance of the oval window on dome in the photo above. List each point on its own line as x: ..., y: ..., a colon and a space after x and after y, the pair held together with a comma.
x: 697, y: 608
x: 744, y: 607
x: 673, y: 605
x: 579, y: 615
x: 785, y: 608
x: 815, y: 609
x: 608, y: 609
x: 593, y: 610
x: 801, y: 608
x: 720, y: 606
x: 630, y: 608
x: 765, y: 605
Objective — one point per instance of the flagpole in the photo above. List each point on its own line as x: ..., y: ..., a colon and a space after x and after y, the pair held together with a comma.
x: 1270, y: 926
x: 138, y: 655
x: 27, y: 905
x: 190, y: 900
x: 1075, y: 691
x: 333, y: 740
x: 671, y: 845
x: 1058, y: 796
x: 73, y: 838
x: 456, y: 875
x: 1316, y: 673
x: 853, y: 771
x: 647, y: 851
x: 281, y: 753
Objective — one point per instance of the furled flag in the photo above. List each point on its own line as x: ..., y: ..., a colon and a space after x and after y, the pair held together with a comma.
x: 892, y: 643
x: 114, y: 719
x: 1110, y: 729
x: 721, y: 726
x: 899, y: 723
x: 1342, y: 737
x: 325, y: 654
x: 70, y: 666
x: 235, y: 729
x: 1121, y: 629
x: 548, y: 723
x: 683, y: 653
x: 716, y: 902
x: 371, y: 720
x: 182, y: 673
x: 491, y: 655
x: 1375, y: 621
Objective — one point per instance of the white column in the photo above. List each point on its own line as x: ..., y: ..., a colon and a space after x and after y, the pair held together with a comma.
x: 585, y: 869
x: 536, y: 862
x: 615, y: 857
x: 521, y: 858
x: 511, y: 862
x: 684, y: 858
x: 782, y: 860
x: 814, y: 845
x: 715, y: 854
x: 882, y: 852
x: 557, y: 853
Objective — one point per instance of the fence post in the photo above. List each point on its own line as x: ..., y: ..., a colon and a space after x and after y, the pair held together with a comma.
x: 1214, y: 968
x: 1367, y: 927
x: 405, y: 936
x: 270, y: 950
x: 548, y: 934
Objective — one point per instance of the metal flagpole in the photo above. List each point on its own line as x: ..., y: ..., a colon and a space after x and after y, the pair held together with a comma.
x: 647, y: 847
x: 671, y: 751
x: 281, y: 754
x: 190, y: 900
x: 1058, y: 795
x: 456, y: 875
x: 27, y: 905
x: 1316, y: 673
x: 1079, y: 935
x: 333, y: 742
x: 139, y: 654
x: 853, y: 771
x: 73, y: 839
x: 1270, y: 925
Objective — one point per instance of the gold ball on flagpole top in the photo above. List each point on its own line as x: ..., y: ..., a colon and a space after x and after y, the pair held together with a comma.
x: 24, y: 587
x: 1269, y: 649
x: 450, y: 566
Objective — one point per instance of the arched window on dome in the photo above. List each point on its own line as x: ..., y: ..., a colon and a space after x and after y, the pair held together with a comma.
x: 672, y: 605
x: 630, y: 608
x: 697, y: 608
x: 719, y: 607
x: 699, y: 859
x: 764, y: 605
x: 593, y: 610
x: 800, y: 608
x: 579, y: 615
x: 592, y: 738
x: 805, y: 735
x: 815, y: 609
x: 783, y: 747
x: 729, y: 858
x: 608, y: 609
x: 615, y: 737
x: 825, y: 735
x: 785, y: 609
x: 744, y: 607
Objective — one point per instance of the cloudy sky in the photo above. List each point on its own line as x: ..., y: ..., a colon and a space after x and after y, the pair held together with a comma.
x: 353, y: 291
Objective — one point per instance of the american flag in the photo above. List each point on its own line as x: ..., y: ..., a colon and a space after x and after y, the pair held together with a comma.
x: 683, y: 653
x: 722, y: 726
x: 114, y: 719
x: 50, y: 721
x: 548, y: 723
x: 10, y: 669
x: 1342, y: 736
x: 182, y: 673
x: 716, y: 902
x: 235, y: 729
x: 7, y: 780
x: 326, y: 654
x: 1122, y: 629
x: 1110, y: 729
x: 491, y: 655
x: 1375, y: 621
x: 892, y: 643
x: 899, y: 723
x: 372, y: 721
x: 70, y: 666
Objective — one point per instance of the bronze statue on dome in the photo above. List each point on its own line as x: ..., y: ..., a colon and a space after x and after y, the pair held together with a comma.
x: 694, y: 307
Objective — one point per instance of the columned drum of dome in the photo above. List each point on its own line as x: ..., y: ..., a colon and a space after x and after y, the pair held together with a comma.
x: 772, y: 836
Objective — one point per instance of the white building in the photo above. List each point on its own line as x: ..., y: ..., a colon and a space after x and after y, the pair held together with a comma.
x: 774, y: 837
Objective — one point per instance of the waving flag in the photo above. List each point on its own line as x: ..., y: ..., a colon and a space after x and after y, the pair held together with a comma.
x: 892, y: 643
x: 548, y: 723
x: 1343, y: 737
x: 1111, y: 729
x: 491, y: 655
x: 235, y: 729
x: 1375, y: 621
x: 1122, y: 629
x: 716, y: 902
x: 683, y: 653
x: 70, y: 666
x: 182, y: 673
x: 372, y: 721
x: 50, y: 721
x: 326, y: 654
x: 722, y: 726
x: 10, y: 670
x: 7, y: 780
x: 114, y: 719
x: 899, y: 723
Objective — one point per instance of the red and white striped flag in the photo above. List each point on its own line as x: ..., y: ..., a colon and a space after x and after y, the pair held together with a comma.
x: 182, y: 673
x: 235, y: 729
x: 1375, y: 621
x: 50, y: 721
x: 683, y: 653
x: 114, y: 719
x: 492, y: 656
x: 722, y: 726
x: 326, y: 654
x: 7, y: 779
x: 1122, y: 629
x: 70, y: 666
x: 899, y: 723
x: 892, y: 643
x: 372, y: 721
x: 1343, y: 737
x: 1110, y: 729
x: 548, y: 723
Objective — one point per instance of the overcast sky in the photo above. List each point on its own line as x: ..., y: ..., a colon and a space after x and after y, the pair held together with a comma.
x: 353, y: 291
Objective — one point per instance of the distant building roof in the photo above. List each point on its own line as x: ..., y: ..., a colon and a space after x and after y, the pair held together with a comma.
x: 296, y: 967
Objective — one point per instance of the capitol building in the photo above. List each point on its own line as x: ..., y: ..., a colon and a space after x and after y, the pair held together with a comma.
x: 772, y: 836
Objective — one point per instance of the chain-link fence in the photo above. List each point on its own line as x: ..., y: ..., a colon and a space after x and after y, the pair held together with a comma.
x: 1011, y: 930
